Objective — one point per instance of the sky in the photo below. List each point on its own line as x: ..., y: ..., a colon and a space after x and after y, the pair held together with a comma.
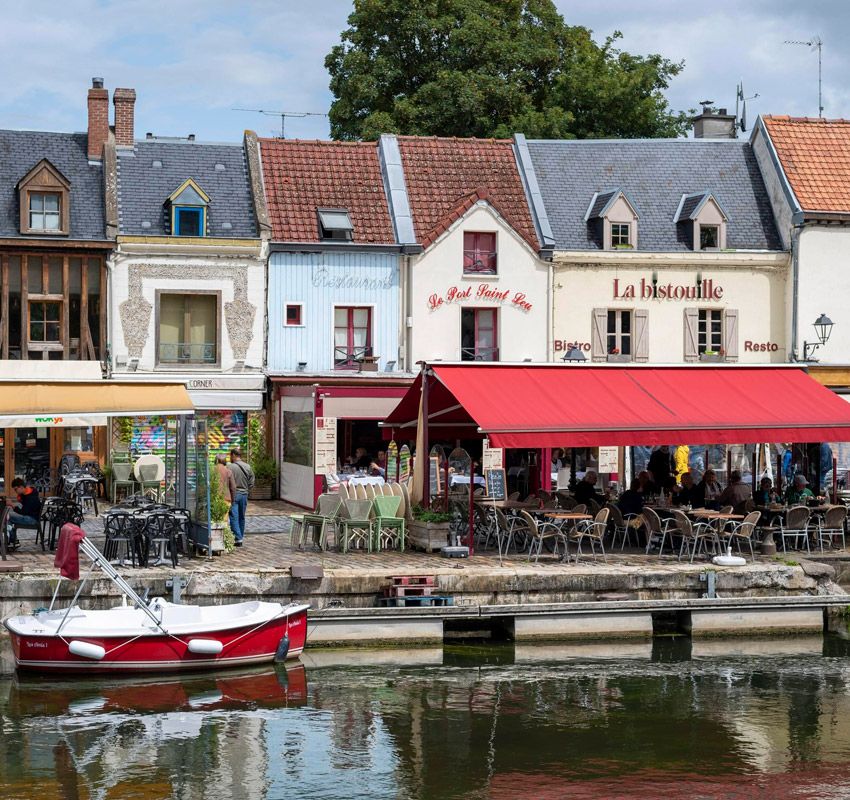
x: 193, y: 62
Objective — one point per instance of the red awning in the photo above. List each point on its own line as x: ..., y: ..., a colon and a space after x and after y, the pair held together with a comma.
x: 555, y: 405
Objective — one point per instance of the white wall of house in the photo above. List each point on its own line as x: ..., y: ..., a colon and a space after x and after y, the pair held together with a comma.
x: 438, y: 291
x: 749, y: 291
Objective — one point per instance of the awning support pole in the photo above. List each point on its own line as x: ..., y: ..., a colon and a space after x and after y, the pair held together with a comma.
x: 426, y: 444
x: 471, y: 507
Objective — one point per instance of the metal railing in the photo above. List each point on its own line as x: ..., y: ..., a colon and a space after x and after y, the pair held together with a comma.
x: 187, y: 353
x: 479, y: 354
x: 479, y: 262
x: 350, y: 357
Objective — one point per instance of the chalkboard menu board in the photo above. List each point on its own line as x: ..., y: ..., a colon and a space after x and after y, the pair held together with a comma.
x: 434, y: 476
x: 496, y: 484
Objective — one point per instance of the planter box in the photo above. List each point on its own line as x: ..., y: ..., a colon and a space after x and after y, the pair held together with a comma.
x: 428, y: 536
x: 716, y: 358
x: 619, y: 357
x: 260, y: 493
x: 369, y: 364
x: 210, y: 540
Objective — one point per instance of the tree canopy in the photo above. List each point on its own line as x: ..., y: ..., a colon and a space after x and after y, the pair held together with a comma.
x: 491, y: 68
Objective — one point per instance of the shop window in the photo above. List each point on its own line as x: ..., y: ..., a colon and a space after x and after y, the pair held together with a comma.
x: 352, y: 336
x: 188, y: 328
x: 479, y: 253
x: 78, y: 440
x: 45, y: 323
x: 298, y: 438
x: 293, y: 315
x: 479, y: 334
x: 43, y: 198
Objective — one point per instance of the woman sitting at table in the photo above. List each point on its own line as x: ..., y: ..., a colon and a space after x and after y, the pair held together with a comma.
x: 798, y: 492
x: 707, y: 491
x: 765, y: 494
x: 631, y: 501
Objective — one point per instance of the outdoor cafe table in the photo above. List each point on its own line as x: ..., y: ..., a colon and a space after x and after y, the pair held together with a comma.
x: 507, y: 505
x: 566, y: 515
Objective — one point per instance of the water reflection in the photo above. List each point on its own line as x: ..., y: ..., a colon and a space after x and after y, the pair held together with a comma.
x: 668, y: 718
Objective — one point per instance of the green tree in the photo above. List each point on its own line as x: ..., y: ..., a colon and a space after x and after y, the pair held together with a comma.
x: 489, y: 68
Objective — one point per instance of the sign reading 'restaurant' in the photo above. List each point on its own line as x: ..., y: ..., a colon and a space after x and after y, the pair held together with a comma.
x: 704, y: 289
x: 484, y: 292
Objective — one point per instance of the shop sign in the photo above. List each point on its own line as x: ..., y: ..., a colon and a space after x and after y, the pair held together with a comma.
x: 608, y: 460
x: 760, y: 347
x: 563, y: 344
x: 491, y: 457
x: 703, y: 289
x: 484, y: 292
x: 325, y: 278
x: 225, y: 383
x: 325, y: 445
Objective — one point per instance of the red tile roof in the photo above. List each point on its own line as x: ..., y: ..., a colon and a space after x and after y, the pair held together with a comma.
x: 445, y: 177
x: 301, y: 176
x: 815, y: 156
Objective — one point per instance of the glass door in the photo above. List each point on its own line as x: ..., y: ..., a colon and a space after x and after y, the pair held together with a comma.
x: 32, y: 453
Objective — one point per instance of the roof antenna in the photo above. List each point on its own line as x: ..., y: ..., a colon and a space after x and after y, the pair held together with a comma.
x: 741, y: 106
x: 815, y: 43
x: 283, y: 115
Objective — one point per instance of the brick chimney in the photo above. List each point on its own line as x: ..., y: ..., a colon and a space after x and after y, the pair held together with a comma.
x: 715, y: 123
x: 124, y: 101
x: 98, y: 103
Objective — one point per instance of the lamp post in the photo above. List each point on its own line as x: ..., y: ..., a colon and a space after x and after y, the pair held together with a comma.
x: 823, y: 327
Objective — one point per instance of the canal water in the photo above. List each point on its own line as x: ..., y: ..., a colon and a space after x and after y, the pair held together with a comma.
x: 666, y: 719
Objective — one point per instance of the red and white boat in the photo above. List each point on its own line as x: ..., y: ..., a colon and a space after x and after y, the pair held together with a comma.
x: 141, y: 636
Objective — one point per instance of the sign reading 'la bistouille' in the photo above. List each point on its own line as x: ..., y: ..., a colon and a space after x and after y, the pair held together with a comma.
x: 484, y: 293
x: 704, y: 289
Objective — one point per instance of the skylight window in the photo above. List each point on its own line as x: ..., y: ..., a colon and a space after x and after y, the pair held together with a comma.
x: 335, y: 224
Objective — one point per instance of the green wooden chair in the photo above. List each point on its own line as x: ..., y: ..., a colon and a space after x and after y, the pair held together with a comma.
x: 389, y: 528
x: 315, y: 526
x: 356, y: 525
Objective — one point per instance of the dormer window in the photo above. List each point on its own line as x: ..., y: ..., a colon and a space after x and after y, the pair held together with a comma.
x: 335, y: 225
x: 702, y: 220
x: 188, y: 210
x: 612, y: 220
x: 43, y: 195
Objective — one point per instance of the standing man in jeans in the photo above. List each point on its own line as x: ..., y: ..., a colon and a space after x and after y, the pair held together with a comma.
x: 243, y: 479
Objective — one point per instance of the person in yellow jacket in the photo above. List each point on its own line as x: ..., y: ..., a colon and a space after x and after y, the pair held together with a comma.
x: 680, y: 461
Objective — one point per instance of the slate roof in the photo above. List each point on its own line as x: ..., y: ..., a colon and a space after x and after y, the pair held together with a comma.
x: 654, y: 174
x: 144, y: 188
x: 690, y: 204
x: 301, y: 176
x: 815, y: 156
x: 445, y: 176
x: 20, y: 151
x: 602, y: 200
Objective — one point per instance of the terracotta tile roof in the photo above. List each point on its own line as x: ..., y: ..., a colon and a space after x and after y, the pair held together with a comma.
x: 815, y: 156
x: 445, y: 177
x: 301, y: 176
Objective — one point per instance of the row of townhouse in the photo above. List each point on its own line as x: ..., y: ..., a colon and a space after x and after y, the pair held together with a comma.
x: 306, y: 279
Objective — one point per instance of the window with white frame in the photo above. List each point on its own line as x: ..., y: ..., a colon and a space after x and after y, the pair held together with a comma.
x: 620, y: 234
x: 619, y: 333
x: 710, y: 331
x: 293, y: 315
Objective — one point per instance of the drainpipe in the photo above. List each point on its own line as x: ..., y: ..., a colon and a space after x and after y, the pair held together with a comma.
x: 550, y: 313
x: 795, y: 283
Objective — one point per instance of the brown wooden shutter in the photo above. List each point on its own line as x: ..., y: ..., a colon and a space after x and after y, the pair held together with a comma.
x: 641, y: 348
x: 730, y: 333
x: 691, y: 334
x: 598, y: 334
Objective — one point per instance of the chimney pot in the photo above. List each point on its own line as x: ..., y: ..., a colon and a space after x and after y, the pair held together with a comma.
x: 191, y: 137
x: 98, y: 119
x: 148, y: 135
x: 124, y: 101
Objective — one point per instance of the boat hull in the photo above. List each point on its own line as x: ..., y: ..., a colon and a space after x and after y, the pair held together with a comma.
x: 243, y: 645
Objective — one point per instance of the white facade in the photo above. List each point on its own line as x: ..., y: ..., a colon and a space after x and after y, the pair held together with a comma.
x: 233, y: 273
x: 662, y: 294
x: 437, y: 293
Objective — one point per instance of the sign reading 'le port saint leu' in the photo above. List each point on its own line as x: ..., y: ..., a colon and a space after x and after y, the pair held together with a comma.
x: 484, y: 293
x: 704, y: 289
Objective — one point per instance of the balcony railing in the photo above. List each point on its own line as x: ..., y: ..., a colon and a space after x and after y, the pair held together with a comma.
x: 350, y: 357
x: 479, y: 354
x: 187, y: 353
x: 479, y: 262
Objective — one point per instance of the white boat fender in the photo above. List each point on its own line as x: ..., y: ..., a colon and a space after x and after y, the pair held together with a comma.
x: 207, y: 647
x: 282, y: 648
x: 86, y: 650
x: 728, y: 560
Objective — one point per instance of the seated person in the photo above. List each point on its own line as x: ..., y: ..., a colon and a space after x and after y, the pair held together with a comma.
x: 647, y: 486
x: 736, y: 494
x: 685, y: 495
x: 378, y: 467
x: 765, y: 494
x: 362, y: 460
x: 28, y: 507
x: 586, y: 490
x: 798, y: 492
x: 707, y: 491
x: 631, y: 501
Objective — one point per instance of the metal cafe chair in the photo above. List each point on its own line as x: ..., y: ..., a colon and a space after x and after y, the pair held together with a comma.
x: 831, y: 526
x: 693, y: 535
x: 122, y: 528
x: 593, y: 531
x: 161, y: 529
x: 795, y: 526
x: 315, y: 526
x: 656, y: 529
x: 297, y: 531
x: 538, y: 532
x: 356, y: 525
x: 623, y: 525
x: 745, y: 532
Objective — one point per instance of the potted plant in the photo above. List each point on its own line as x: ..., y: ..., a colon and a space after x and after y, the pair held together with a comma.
x: 429, y: 529
x: 712, y: 355
x: 265, y: 473
x: 221, y: 537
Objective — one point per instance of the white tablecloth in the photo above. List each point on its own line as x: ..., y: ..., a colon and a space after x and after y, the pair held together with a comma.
x: 363, y: 480
x: 463, y: 480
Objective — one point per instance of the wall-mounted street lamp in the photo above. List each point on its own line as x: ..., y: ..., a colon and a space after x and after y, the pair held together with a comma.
x: 823, y: 327
x: 574, y: 354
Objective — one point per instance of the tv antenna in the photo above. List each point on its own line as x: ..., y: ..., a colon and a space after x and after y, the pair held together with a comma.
x: 741, y: 106
x: 283, y: 116
x: 816, y: 43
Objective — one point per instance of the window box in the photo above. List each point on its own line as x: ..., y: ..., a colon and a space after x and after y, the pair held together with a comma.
x: 712, y: 357
x: 368, y: 363
x: 619, y: 357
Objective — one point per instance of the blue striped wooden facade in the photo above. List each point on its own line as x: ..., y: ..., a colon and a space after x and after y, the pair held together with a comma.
x: 320, y: 282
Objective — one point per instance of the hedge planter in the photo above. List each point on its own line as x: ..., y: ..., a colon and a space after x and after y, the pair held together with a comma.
x: 428, y: 536
x: 712, y: 357
x: 260, y: 493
